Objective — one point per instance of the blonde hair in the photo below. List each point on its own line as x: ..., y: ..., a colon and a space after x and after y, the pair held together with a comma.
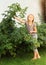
x: 29, y: 16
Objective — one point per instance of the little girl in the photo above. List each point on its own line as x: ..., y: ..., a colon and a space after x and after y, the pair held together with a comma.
x: 31, y: 27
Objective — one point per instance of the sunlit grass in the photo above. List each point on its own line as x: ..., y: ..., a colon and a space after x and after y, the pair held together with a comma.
x: 25, y: 59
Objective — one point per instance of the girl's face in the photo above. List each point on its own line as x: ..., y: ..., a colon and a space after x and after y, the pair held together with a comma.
x: 30, y: 17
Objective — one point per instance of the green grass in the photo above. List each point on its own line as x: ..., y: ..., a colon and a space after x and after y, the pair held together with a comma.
x: 25, y: 59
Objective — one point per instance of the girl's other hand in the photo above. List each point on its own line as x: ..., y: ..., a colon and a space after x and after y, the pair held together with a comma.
x: 14, y: 17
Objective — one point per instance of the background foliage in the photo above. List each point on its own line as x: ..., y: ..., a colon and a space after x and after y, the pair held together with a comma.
x: 15, y: 40
x: 42, y: 34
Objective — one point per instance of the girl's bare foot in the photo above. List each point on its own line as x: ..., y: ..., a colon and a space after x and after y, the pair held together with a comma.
x: 34, y: 58
x: 38, y: 56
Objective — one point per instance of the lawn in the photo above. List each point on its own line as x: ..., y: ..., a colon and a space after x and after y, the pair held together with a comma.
x: 25, y: 59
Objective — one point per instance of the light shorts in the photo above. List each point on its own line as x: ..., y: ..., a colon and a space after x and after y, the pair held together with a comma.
x: 35, y: 36
x: 34, y: 44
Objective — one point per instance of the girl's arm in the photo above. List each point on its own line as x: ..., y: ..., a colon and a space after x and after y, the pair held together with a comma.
x: 19, y: 19
x: 34, y: 30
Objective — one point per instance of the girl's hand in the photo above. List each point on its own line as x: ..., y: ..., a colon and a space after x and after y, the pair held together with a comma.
x: 31, y: 32
x: 14, y: 17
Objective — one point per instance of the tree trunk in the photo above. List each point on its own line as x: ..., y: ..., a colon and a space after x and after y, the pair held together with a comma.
x: 43, y: 3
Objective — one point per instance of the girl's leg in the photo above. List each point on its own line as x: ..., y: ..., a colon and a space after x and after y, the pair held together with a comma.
x: 36, y: 54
